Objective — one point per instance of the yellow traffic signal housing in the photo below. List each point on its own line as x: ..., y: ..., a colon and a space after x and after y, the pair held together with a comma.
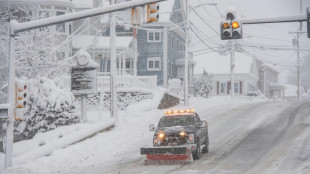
x: 152, y: 12
x: 21, y: 94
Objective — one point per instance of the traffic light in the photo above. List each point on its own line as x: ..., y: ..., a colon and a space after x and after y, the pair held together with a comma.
x: 236, y: 29
x: 21, y: 94
x: 152, y: 12
x: 226, y: 30
x: 308, y: 22
x: 231, y: 26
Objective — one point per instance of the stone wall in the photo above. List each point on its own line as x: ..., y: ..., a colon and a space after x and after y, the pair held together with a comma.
x: 168, y: 101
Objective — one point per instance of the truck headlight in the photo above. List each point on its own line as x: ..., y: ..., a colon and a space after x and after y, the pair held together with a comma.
x: 182, y: 133
x: 156, y: 141
x: 190, y: 138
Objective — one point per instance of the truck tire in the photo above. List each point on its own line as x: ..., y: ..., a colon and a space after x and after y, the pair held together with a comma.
x: 196, y: 153
x: 205, y: 149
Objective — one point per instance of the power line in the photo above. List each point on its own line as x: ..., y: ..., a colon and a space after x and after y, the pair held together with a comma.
x: 206, y: 22
x: 203, y: 41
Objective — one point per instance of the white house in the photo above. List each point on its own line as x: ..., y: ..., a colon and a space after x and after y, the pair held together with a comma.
x: 250, y: 76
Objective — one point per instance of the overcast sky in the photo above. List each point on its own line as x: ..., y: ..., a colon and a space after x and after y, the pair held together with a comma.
x: 261, y: 34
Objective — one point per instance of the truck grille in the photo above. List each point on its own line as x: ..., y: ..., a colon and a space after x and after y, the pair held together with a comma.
x: 171, y: 140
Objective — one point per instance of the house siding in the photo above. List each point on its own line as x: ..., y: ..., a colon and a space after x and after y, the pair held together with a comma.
x: 147, y: 50
x: 271, y: 77
x: 155, y: 49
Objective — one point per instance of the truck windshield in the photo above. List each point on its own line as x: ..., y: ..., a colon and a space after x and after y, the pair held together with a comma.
x: 176, y: 121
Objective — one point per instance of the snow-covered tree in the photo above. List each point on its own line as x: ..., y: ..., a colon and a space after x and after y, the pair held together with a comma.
x: 49, y: 105
x: 203, y: 85
x: 35, y: 49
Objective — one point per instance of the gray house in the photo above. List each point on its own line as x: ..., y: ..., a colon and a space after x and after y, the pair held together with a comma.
x: 161, y: 45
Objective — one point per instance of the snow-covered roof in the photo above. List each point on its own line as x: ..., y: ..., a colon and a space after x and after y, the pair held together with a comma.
x: 219, y: 64
x: 181, y: 62
x: 83, y: 3
x: 82, y: 41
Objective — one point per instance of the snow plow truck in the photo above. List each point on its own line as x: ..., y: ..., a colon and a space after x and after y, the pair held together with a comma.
x: 179, y: 136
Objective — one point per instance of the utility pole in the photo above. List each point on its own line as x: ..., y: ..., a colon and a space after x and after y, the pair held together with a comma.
x: 232, y: 68
x: 299, y: 33
x: 113, y: 76
x: 165, y: 57
x: 186, y: 103
x: 298, y: 64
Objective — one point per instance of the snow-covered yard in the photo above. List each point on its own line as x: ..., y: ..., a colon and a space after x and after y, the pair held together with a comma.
x: 108, y: 149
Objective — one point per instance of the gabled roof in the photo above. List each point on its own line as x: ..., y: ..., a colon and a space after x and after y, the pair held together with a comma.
x: 166, y: 10
x: 219, y: 64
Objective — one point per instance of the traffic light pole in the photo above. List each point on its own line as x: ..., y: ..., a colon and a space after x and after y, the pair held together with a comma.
x: 186, y: 103
x: 113, y: 75
x: 11, y: 101
x: 232, y: 68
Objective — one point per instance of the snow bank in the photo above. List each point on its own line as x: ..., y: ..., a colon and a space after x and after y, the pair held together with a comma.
x: 291, y: 90
x: 44, y: 144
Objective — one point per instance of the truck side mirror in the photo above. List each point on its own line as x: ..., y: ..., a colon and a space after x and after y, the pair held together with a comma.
x: 152, y: 127
x: 203, y: 124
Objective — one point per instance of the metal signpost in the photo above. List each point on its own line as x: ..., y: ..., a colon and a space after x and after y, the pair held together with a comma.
x: 83, y: 82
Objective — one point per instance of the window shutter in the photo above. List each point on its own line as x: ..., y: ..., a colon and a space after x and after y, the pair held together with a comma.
x: 240, y: 87
x: 218, y: 88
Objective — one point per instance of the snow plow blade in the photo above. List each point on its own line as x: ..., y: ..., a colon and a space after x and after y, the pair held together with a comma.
x: 167, y: 154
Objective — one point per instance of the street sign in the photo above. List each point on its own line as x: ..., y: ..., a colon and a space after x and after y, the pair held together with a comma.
x: 84, y: 80
x: 4, y: 113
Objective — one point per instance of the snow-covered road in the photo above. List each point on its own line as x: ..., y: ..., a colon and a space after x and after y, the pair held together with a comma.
x: 262, y: 138
x: 245, y: 137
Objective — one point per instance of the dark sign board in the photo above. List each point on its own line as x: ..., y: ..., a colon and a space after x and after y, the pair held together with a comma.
x: 83, y: 80
x: 4, y: 113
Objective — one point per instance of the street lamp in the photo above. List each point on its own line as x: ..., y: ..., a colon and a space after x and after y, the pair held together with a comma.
x: 187, y: 48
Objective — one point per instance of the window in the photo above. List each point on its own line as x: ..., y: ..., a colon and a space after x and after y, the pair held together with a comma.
x: 128, y: 64
x: 223, y: 88
x: 157, y: 36
x: 171, y: 68
x: 153, y: 64
x: 42, y: 15
x: 60, y: 27
x: 236, y: 88
x: 182, y: 47
x: 151, y: 36
x: 60, y: 55
x: 171, y: 41
x: 154, y: 36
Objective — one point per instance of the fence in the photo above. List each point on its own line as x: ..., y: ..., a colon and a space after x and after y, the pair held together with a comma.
x: 176, y: 87
x: 148, y: 82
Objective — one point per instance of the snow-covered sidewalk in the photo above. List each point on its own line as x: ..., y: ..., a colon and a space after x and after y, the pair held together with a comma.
x: 105, y: 151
